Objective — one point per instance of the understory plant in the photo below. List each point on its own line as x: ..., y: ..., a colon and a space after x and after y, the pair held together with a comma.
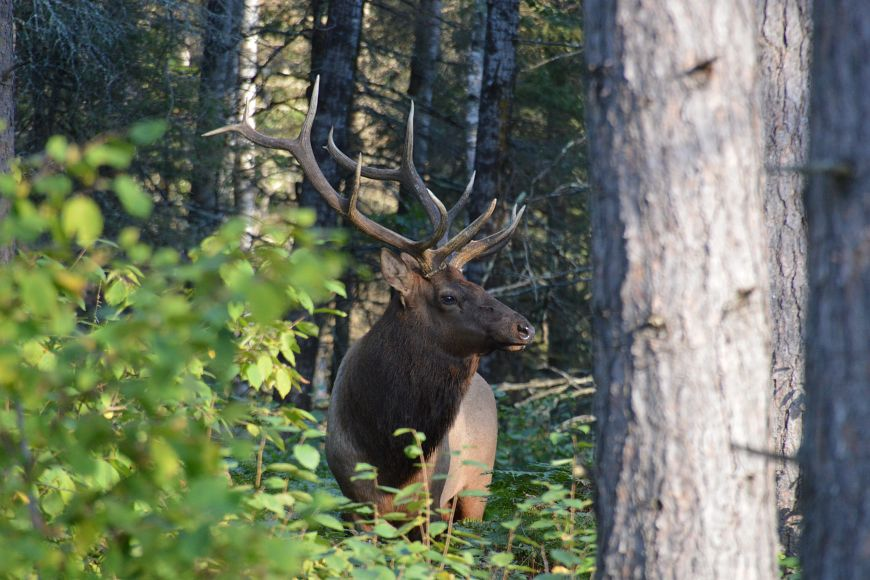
x: 137, y: 426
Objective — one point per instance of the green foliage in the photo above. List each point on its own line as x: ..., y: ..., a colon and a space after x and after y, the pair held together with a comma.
x: 138, y: 434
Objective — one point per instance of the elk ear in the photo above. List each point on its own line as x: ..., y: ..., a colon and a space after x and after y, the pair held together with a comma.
x: 398, y: 272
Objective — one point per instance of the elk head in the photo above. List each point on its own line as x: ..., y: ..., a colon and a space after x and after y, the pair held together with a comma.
x: 427, y: 276
x: 460, y: 317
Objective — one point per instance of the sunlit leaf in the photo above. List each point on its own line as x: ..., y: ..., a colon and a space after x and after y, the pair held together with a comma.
x: 135, y: 201
x: 306, y: 455
x: 82, y: 219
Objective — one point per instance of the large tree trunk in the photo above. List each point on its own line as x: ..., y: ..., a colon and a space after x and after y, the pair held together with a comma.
x: 7, y: 103
x: 424, y: 72
x: 218, y: 83
x: 784, y: 46
x: 334, y: 50
x: 680, y: 297
x: 496, y: 103
x: 836, y: 452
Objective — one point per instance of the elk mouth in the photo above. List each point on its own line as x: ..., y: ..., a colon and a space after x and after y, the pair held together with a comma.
x: 513, y: 347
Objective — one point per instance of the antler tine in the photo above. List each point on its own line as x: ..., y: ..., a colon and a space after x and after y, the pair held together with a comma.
x: 488, y: 245
x: 458, y: 207
x: 343, y: 160
x: 301, y: 149
x: 465, y: 236
x: 406, y: 174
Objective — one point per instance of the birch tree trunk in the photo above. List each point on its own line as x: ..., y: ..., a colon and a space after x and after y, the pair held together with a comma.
x: 682, y: 348
x: 424, y: 72
x: 784, y: 58
x: 244, y: 179
x: 7, y: 103
x: 836, y: 452
x: 474, y: 79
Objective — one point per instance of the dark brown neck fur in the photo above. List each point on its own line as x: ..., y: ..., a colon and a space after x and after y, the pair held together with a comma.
x: 400, y: 378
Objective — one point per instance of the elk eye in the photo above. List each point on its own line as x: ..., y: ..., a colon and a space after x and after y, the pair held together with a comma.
x: 448, y: 299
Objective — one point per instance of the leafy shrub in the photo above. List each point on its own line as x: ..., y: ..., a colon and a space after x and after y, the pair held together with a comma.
x: 135, y: 440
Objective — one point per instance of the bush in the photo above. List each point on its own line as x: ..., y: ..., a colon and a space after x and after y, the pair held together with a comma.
x: 135, y: 442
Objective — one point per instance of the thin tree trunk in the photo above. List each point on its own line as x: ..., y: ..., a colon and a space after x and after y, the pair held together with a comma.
x: 680, y: 298
x: 784, y: 52
x: 334, y: 50
x: 836, y: 452
x: 217, y: 97
x: 474, y: 79
x: 496, y: 103
x: 424, y: 72
x: 7, y: 103
x: 244, y: 178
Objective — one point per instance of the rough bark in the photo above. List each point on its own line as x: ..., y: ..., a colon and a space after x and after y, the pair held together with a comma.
x: 424, y: 72
x: 218, y: 83
x: 474, y: 79
x: 836, y: 452
x: 681, y: 334
x: 334, y: 50
x: 7, y: 102
x: 784, y: 60
x: 496, y: 103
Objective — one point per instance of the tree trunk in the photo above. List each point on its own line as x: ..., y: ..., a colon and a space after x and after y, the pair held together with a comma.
x: 496, y: 103
x: 784, y: 52
x: 680, y: 298
x: 218, y: 83
x: 427, y: 44
x: 334, y: 50
x: 7, y: 103
x: 836, y: 452
x: 474, y: 79
x: 244, y: 178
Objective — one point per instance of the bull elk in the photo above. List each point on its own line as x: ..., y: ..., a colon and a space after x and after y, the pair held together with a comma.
x: 417, y: 366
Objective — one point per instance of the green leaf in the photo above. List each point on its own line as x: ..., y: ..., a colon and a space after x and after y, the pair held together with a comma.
x: 235, y: 310
x: 336, y: 286
x: 307, y: 328
x: 117, y: 155
x: 116, y: 293
x: 385, y: 530
x: 264, y: 363
x: 135, y: 201
x: 282, y: 382
x: 81, y: 217
x: 147, y: 132
x: 328, y: 521
x: 38, y: 292
x: 289, y: 347
x: 56, y: 147
x: 59, y: 185
x: 566, y: 557
x: 306, y: 455
x: 305, y: 301
x: 254, y: 376
x: 501, y: 559
x: 437, y: 528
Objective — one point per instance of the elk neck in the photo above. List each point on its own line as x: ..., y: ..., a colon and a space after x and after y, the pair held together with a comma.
x: 401, y: 377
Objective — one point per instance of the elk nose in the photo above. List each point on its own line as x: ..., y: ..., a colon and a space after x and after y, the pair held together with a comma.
x: 525, y: 331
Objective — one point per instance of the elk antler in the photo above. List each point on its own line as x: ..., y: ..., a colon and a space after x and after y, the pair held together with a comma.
x: 430, y: 260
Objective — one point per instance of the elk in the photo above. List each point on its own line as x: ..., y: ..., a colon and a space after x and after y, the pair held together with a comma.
x: 417, y: 366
